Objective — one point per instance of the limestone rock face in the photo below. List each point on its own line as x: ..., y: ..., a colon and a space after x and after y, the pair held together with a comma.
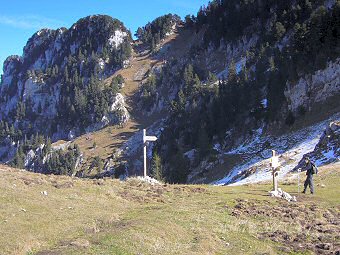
x: 314, y: 88
x: 35, y: 83
x: 118, y: 111
x: 117, y: 115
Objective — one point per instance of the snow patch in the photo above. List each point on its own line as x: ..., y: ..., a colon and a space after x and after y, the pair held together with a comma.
x: 291, y: 147
x: 117, y: 38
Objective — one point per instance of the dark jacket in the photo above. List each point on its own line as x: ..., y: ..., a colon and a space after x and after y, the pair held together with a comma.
x: 309, y: 168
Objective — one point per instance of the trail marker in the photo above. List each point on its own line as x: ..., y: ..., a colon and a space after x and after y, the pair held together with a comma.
x: 275, y: 165
x: 145, y: 140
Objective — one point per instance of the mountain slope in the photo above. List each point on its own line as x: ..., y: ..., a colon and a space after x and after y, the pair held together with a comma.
x: 111, y: 140
x: 278, y: 64
x: 42, y: 214
x: 203, y: 86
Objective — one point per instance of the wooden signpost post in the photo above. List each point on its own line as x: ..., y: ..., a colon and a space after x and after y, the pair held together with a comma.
x: 145, y: 140
x: 275, y: 165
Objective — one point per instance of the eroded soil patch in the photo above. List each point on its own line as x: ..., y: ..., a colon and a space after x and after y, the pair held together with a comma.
x: 315, y: 229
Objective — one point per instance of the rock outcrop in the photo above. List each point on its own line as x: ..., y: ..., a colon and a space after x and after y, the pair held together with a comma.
x: 314, y: 88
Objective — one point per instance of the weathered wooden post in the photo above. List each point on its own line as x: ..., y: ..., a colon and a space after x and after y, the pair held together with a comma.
x: 145, y: 140
x: 275, y: 165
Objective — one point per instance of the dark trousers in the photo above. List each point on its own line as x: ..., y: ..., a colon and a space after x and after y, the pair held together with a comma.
x: 309, y: 181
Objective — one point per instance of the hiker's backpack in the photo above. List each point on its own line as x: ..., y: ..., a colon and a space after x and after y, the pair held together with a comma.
x: 314, y: 169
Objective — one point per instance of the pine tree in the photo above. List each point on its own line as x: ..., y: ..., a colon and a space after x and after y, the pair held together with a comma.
x: 19, y: 158
x: 156, y: 167
x: 97, y: 163
x: 280, y: 30
x: 12, y: 131
x: 188, y: 75
x: 181, y: 101
x: 203, y: 143
x: 232, y: 71
x: 271, y: 64
x: 48, y: 146
x: 153, y: 44
x: 180, y: 168
x: 66, y: 75
x: 139, y: 33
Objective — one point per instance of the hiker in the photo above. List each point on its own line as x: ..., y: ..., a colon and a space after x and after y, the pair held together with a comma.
x: 310, y: 170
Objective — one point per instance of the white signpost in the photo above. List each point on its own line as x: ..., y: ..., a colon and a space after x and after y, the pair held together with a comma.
x: 275, y: 165
x: 145, y: 140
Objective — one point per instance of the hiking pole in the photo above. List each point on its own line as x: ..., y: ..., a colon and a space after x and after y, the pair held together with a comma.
x: 299, y: 170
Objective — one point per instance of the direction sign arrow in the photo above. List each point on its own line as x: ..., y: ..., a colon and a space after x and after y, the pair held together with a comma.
x: 150, y: 138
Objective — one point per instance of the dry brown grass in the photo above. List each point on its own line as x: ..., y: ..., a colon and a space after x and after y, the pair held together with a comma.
x: 80, y: 216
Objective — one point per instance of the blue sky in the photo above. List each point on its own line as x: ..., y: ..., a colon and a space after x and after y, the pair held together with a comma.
x: 20, y: 19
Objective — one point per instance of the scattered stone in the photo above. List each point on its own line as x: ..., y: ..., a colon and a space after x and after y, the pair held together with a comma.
x: 282, y: 194
x: 324, y: 246
x: 148, y: 179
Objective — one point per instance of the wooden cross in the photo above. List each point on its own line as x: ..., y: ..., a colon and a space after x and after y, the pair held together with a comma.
x: 145, y: 140
x: 275, y: 165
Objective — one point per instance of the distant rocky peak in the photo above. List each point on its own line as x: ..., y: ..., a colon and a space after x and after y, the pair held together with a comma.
x: 48, y: 47
x: 102, y: 25
x: 11, y: 64
x: 37, y: 39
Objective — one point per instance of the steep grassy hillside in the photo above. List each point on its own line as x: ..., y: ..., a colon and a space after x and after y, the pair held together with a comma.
x: 62, y: 215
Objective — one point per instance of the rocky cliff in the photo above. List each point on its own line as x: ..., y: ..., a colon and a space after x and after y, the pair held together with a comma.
x: 314, y: 88
x: 55, y: 65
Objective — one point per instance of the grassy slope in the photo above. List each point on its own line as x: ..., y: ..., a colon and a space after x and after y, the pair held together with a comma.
x: 80, y: 216
x: 111, y: 138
